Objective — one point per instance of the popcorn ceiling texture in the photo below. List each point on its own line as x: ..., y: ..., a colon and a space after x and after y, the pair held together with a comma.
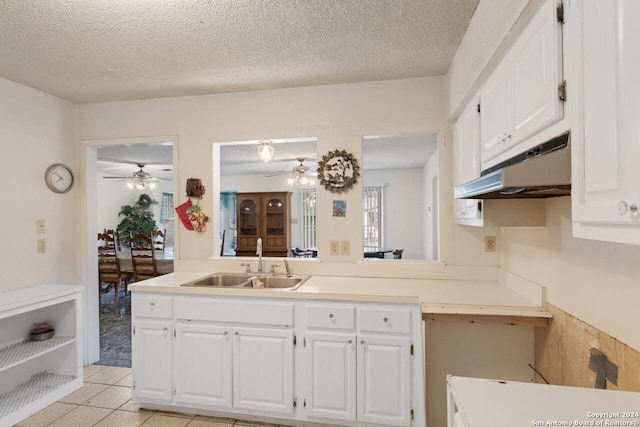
x: 96, y: 50
x: 562, y: 354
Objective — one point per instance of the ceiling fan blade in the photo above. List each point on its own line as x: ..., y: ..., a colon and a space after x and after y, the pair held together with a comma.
x: 116, y: 177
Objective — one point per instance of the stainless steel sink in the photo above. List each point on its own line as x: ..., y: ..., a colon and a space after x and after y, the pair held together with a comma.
x: 221, y: 280
x: 248, y: 281
x: 276, y: 282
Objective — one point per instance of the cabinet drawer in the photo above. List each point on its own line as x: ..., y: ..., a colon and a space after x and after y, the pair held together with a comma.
x: 151, y: 306
x: 384, y: 320
x: 328, y: 317
x: 215, y: 310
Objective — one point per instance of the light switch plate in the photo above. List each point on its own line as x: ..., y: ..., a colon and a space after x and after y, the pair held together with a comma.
x: 334, y: 248
x: 345, y: 247
x: 41, y: 226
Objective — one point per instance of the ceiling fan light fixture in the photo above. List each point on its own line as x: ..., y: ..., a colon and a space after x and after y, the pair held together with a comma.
x: 265, y: 151
x: 140, y: 184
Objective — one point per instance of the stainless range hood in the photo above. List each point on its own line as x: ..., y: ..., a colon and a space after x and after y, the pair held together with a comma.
x: 543, y: 171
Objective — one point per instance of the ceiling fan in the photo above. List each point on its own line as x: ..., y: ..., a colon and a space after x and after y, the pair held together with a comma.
x: 299, y: 175
x: 140, y: 179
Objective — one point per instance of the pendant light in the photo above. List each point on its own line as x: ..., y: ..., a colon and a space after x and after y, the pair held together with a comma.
x: 265, y: 151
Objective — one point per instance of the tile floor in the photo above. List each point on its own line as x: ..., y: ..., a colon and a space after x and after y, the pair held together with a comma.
x: 105, y: 401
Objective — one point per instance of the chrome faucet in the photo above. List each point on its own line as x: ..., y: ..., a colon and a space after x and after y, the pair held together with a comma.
x: 286, y: 267
x: 259, y: 253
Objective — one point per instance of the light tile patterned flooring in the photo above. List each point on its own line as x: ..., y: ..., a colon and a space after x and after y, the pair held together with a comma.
x: 105, y: 401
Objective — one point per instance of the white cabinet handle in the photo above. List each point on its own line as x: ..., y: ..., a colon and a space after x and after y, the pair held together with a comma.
x: 624, y: 208
x: 152, y: 305
x: 330, y: 315
x: 386, y: 320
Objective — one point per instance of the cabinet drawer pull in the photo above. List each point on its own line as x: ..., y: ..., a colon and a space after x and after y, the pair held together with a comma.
x: 386, y: 320
x: 624, y: 208
x: 362, y: 342
x: 330, y: 315
x: 152, y: 305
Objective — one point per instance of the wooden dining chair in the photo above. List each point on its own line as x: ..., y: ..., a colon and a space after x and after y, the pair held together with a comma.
x: 397, y: 254
x: 159, y: 239
x: 109, y: 273
x: 143, y: 258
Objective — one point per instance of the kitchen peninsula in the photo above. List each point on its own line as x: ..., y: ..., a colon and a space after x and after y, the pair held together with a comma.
x: 348, y: 350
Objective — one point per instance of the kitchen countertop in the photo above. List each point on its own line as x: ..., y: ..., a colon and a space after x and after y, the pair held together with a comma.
x: 444, y: 300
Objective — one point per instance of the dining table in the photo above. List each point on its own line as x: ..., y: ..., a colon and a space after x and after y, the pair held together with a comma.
x: 376, y: 252
x: 164, y: 261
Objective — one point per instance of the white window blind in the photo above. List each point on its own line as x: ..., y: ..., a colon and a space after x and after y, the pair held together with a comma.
x: 372, y: 203
x: 309, y: 229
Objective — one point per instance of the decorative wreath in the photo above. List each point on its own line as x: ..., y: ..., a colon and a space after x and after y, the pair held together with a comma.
x: 338, y: 171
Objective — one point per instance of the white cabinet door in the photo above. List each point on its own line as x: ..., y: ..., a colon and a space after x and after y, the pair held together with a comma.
x: 331, y: 375
x: 384, y: 380
x: 496, y: 114
x: 606, y: 173
x: 263, y: 369
x: 537, y: 73
x: 202, y: 358
x: 151, y: 359
x: 521, y: 97
x: 466, y: 145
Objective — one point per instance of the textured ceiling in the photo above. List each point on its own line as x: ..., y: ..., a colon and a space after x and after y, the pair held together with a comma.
x: 104, y: 50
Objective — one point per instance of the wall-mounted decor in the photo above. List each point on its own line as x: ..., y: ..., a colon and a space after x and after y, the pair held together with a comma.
x: 338, y: 171
x: 339, y: 208
x: 195, y: 188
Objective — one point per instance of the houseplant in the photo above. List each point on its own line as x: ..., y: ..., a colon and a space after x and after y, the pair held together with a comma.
x: 137, y: 218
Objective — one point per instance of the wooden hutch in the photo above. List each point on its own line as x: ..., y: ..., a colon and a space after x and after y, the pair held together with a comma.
x: 265, y: 215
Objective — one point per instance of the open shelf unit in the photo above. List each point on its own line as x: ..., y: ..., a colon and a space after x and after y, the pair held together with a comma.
x: 34, y: 374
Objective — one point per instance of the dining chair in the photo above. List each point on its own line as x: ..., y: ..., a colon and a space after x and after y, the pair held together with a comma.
x: 159, y: 239
x: 397, y: 254
x: 109, y: 273
x: 143, y: 258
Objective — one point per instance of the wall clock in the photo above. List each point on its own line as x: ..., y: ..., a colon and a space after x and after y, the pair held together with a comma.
x: 338, y: 171
x: 59, y: 178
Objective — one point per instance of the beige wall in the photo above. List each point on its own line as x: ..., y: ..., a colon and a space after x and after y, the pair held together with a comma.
x: 36, y: 130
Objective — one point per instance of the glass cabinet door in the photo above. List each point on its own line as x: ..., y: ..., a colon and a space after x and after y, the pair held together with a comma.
x: 275, y: 217
x: 248, y: 218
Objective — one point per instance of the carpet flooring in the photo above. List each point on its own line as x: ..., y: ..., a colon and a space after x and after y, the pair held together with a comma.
x: 115, y: 330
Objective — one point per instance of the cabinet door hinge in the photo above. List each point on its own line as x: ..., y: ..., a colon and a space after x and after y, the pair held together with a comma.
x: 174, y: 332
x: 411, y: 349
x: 412, y: 415
x: 295, y: 340
x: 560, y: 13
x: 562, y: 91
x: 134, y: 330
x: 304, y: 341
x: 295, y: 402
x: 304, y: 403
x: 478, y: 107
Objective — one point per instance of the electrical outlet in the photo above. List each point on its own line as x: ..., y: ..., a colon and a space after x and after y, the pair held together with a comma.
x: 345, y: 247
x: 334, y: 248
x: 42, y: 246
x: 41, y: 227
x: 489, y: 243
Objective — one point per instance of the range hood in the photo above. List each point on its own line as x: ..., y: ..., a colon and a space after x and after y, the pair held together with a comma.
x: 543, y: 171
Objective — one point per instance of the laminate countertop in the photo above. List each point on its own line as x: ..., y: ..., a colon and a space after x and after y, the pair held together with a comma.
x: 453, y: 300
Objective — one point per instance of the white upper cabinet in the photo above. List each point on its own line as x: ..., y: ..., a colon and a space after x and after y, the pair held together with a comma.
x: 606, y: 184
x: 466, y: 155
x: 523, y: 96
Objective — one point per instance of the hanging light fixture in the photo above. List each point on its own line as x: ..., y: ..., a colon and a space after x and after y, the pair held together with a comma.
x: 265, y: 151
x: 301, y: 176
x: 140, y: 184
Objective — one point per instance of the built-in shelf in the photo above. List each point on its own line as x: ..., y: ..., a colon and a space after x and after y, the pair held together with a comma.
x: 35, y: 374
x: 37, y: 387
x: 15, y: 354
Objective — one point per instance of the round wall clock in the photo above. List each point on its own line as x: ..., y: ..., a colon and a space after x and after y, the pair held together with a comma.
x: 338, y: 171
x: 59, y: 178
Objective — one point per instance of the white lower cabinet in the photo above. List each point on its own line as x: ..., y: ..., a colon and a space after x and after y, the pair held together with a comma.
x: 331, y: 375
x: 384, y: 380
x: 350, y: 364
x: 203, y: 364
x: 360, y: 363
x: 263, y: 370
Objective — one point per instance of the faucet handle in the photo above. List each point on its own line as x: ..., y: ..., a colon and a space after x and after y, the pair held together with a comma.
x: 246, y: 264
x: 273, y: 269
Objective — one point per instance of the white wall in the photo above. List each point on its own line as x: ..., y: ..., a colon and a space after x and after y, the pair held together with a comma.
x: 36, y: 130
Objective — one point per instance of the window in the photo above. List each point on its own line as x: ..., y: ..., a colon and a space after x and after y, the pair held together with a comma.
x: 166, y: 208
x: 309, y: 228
x: 372, y: 217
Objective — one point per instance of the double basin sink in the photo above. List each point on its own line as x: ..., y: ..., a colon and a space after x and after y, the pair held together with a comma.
x: 249, y: 281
